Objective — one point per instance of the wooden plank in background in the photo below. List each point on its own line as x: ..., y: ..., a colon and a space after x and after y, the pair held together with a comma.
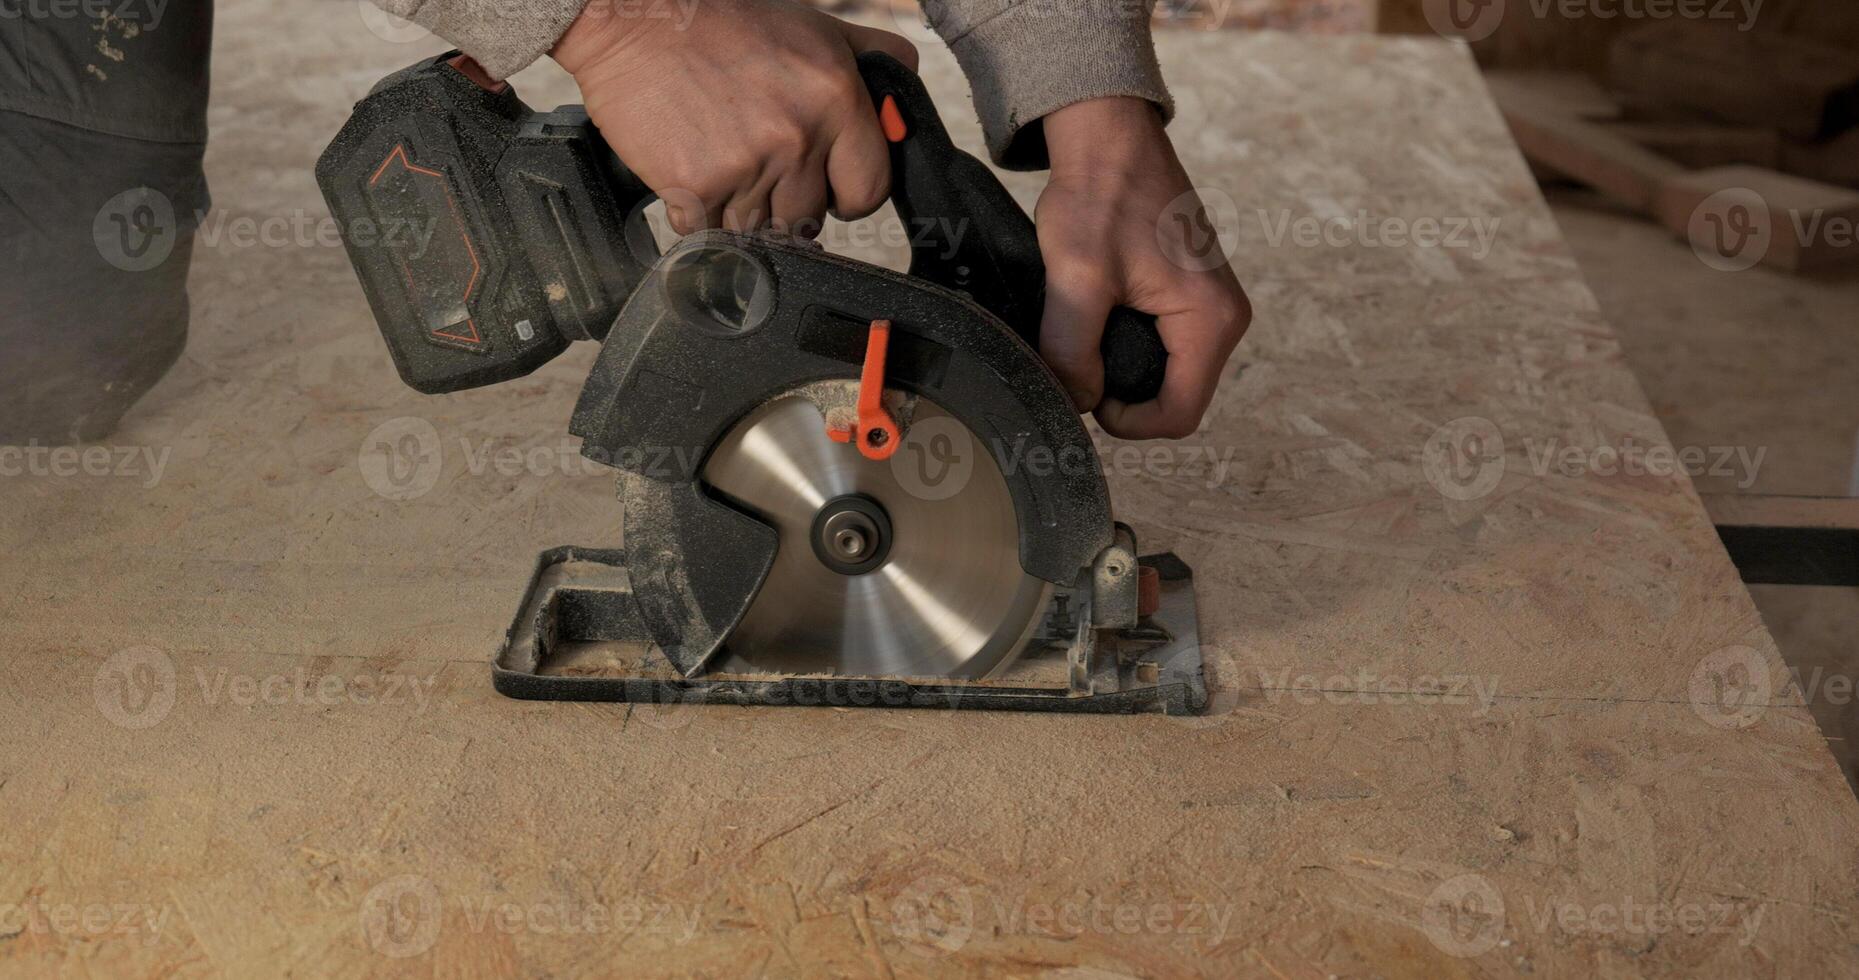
x: 1789, y: 540
x: 1835, y: 161
x: 1694, y: 144
x: 1801, y: 87
x: 1588, y: 152
x: 1809, y: 226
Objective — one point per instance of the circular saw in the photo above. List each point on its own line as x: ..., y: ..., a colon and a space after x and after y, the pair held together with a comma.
x: 839, y: 485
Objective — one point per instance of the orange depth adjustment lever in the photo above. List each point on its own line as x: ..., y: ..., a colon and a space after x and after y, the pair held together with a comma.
x: 877, y: 431
x: 892, y: 119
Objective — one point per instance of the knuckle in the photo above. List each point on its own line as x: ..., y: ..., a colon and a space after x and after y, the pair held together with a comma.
x: 1075, y: 258
x: 902, y: 48
x: 846, y: 89
x: 864, y: 191
x: 1078, y: 277
x: 1069, y: 353
x: 1229, y: 306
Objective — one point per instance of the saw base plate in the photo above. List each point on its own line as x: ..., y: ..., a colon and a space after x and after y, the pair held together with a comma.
x: 578, y: 637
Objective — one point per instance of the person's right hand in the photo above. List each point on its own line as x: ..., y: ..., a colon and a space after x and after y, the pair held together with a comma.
x: 752, y: 115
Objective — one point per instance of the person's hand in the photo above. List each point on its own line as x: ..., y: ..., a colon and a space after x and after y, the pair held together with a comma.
x: 1115, y: 195
x: 752, y: 115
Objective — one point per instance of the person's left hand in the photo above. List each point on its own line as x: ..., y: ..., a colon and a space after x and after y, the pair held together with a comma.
x: 1116, y: 194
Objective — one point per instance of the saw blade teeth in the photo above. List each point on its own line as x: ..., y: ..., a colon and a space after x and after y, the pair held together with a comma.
x: 949, y: 598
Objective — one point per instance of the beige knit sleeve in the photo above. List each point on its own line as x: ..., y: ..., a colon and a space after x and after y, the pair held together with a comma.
x: 1026, y: 58
x: 502, y: 35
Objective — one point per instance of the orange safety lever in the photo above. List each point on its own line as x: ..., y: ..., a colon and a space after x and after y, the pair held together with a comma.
x: 877, y: 431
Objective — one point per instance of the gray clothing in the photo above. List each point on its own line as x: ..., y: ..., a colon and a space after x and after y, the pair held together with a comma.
x: 1023, y: 58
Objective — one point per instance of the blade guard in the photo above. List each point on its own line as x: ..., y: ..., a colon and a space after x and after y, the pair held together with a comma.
x: 726, y: 322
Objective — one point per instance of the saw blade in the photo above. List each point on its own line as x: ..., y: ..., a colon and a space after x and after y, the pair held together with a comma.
x: 946, y: 598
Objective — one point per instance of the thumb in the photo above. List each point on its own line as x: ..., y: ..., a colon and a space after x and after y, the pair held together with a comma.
x: 872, y: 39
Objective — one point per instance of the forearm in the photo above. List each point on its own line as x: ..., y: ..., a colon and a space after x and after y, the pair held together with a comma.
x: 1028, y: 58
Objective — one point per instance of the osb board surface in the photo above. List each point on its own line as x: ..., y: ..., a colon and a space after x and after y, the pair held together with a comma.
x: 247, y: 711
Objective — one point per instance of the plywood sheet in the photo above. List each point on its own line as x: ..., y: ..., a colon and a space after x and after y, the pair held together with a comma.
x: 247, y: 700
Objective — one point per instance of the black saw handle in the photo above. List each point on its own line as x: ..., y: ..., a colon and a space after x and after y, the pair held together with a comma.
x: 969, y: 234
